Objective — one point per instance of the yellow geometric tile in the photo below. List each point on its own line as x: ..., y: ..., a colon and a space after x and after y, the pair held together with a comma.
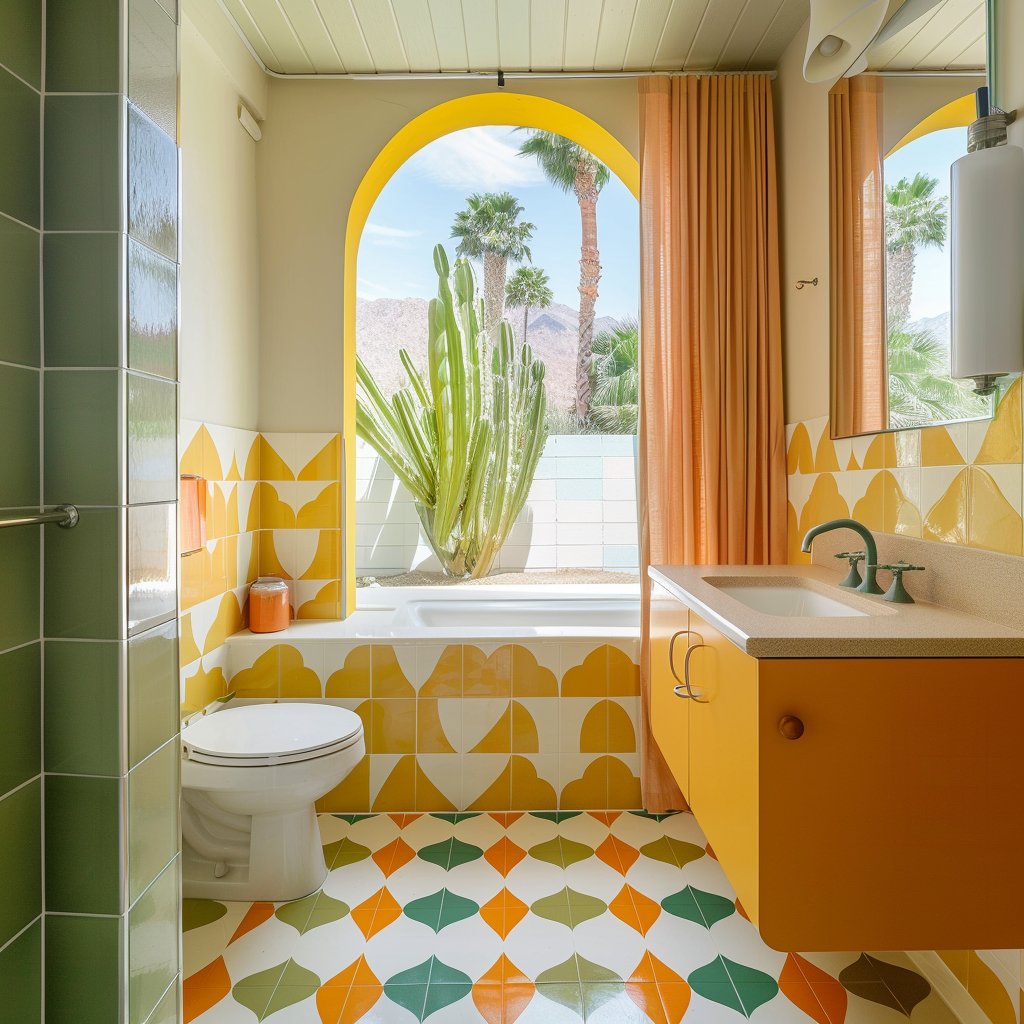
x: 529, y: 679
x: 906, y: 449
x: 987, y: 990
x: 607, y: 729
x: 323, y: 511
x: 227, y: 622
x: 430, y: 735
x: 386, y: 676
x: 800, y: 459
x: 524, y: 730
x: 326, y: 464
x: 261, y: 681
x: 230, y: 545
x: 353, y: 680
x: 193, y: 570
x: 623, y: 674
x: 269, y: 563
x: 590, y: 791
x: 326, y: 563
x: 215, y: 569
x: 869, y: 510
x: 428, y: 796
x: 881, y: 452
x: 529, y: 792
x: 485, y: 676
x: 231, y: 513
x: 938, y: 449
x: 252, y: 460
x: 399, y: 790
x: 188, y: 649
x: 203, y: 688
x: 590, y: 679
x: 946, y: 520
x: 993, y: 523
x: 1003, y: 438
x: 200, y: 458
x: 853, y: 464
x: 498, y: 795
x: 901, y: 503
x: 233, y: 473
x: 274, y: 513
x: 498, y: 739
x: 446, y: 678
x: 623, y: 785
x: 325, y: 605
x: 351, y: 794
x: 296, y: 679
x: 825, y: 459
x: 393, y: 727
x: 825, y: 502
x: 272, y: 465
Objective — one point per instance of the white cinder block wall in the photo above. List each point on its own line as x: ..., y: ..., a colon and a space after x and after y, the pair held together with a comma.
x: 581, y: 512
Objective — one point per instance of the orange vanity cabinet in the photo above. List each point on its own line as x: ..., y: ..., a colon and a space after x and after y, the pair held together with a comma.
x: 893, y: 820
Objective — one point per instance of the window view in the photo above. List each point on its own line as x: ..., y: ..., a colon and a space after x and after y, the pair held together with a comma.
x: 497, y: 345
x: 917, y: 268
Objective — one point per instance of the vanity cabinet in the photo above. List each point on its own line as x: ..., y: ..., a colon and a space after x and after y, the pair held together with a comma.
x: 893, y: 820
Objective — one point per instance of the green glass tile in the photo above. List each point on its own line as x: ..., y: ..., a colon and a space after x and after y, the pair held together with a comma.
x: 152, y: 566
x: 81, y: 174
x: 153, y: 63
x: 19, y: 724
x: 152, y: 439
x: 19, y: 169
x: 152, y: 185
x: 152, y: 690
x: 152, y: 312
x: 19, y: 291
x: 82, y: 848
x: 82, y: 977
x: 152, y: 945
x: 83, y: 583
x: 20, y: 860
x: 81, y: 285
x: 19, y: 595
x: 22, y: 38
x: 80, y: 449
x: 21, y: 974
x: 153, y: 789
x: 82, y: 707
x: 82, y: 46
x: 166, y: 1011
x: 19, y: 428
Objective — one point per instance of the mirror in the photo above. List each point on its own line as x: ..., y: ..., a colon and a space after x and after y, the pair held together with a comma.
x: 892, y: 140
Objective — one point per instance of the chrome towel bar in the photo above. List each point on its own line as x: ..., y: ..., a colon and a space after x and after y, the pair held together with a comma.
x: 65, y: 516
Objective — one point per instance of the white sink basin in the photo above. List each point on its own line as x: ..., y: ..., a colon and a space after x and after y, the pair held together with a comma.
x: 791, y: 601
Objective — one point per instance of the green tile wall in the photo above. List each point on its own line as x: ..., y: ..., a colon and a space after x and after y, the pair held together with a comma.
x: 152, y: 816
x: 19, y: 427
x: 20, y: 860
x: 152, y: 312
x: 19, y: 723
x: 21, y: 973
x: 19, y: 292
x: 82, y: 706
x: 19, y: 595
x: 81, y: 276
x: 83, y: 844
x: 82, y: 969
x: 83, y: 46
x: 19, y: 170
x: 152, y: 439
x: 152, y: 572
x: 21, y: 39
x: 153, y: 700
x: 153, y: 924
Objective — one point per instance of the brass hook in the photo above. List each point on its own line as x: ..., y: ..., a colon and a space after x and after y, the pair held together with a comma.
x: 800, y: 284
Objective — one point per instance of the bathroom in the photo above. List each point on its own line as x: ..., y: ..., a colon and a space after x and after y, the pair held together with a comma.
x: 502, y: 799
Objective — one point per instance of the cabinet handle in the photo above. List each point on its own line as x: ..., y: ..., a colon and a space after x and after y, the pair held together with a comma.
x: 683, y: 689
x: 791, y: 727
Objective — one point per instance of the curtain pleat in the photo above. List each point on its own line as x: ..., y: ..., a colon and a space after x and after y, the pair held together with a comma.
x: 711, y: 433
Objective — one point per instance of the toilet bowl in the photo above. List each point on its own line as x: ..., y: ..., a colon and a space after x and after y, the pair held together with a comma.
x: 250, y: 777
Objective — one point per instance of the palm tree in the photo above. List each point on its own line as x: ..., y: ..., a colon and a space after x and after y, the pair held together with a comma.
x: 526, y: 288
x: 914, y: 219
x: 616, y: 379
x: 921, y: 390
x: 487, y: 230
x: 568, y: 166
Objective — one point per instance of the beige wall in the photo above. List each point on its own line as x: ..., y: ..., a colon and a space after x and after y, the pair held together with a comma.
x: 319, y: 138
x: 219, y: 329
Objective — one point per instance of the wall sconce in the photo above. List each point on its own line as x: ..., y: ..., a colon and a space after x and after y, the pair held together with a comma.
x: 192, y: 513
x: 840, y: 32
x: 987, y: 252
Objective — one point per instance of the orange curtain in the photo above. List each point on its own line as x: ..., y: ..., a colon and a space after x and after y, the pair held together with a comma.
x: 857, y: 252
x: 712, y: 449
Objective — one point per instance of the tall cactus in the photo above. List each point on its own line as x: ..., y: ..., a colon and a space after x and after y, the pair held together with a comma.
x: 466, y: 439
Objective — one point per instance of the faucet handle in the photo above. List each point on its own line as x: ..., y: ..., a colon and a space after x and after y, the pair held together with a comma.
x: 897, y: 592
x: 853, y: 576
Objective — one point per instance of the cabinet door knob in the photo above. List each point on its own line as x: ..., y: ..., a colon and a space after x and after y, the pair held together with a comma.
x: 791, y: 727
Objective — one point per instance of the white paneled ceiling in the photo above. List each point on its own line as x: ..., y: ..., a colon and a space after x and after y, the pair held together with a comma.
x: 429, y: 36
x: 951, y: 37
x: 395, y: 36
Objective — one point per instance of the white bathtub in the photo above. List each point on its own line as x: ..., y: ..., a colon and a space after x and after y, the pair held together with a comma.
x: 445, y: 613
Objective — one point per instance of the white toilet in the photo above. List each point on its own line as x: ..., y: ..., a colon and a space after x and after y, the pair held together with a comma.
x: 250, y: 776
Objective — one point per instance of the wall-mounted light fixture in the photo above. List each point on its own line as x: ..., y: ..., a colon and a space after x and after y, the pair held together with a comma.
x: 248, y: 122
x: 840, y: 32
x: 987, y: 252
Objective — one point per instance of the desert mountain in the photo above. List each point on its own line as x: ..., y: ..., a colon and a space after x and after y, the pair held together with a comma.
x: 383, y: 326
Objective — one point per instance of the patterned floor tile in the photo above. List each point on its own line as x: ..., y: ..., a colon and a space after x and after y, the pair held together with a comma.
x: 534, y: 918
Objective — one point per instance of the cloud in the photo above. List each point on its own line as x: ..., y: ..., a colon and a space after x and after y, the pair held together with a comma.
x: 477, y: 158
x: 386, y: 232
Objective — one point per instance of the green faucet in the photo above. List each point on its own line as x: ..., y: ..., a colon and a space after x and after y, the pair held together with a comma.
x: 870, y: 585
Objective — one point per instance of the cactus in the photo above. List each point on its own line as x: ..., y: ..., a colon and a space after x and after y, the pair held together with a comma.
x: 465, y: 438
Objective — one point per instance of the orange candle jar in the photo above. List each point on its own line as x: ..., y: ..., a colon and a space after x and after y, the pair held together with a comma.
x: 268, y: 605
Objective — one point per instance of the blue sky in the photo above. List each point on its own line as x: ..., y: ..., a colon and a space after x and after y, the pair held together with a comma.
x: 933, y: 154
x: 416, y: 209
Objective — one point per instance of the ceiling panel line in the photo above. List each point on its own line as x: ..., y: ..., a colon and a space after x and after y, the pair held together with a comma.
x: 696, y: 34
x: 261, y: 35
x: 344, y: 43
x: 964, y: 23
x: 295, y: 33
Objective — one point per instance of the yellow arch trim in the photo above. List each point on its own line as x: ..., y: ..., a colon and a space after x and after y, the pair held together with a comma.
x: 497, y: 108
x: 956, y: 114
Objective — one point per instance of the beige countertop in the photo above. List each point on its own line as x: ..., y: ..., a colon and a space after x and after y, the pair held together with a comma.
x: 886, y: 630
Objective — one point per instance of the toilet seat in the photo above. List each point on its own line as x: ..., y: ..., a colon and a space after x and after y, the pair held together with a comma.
x: 259, y: 735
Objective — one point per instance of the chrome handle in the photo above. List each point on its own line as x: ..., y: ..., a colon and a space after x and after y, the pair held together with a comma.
x: 684, y: 690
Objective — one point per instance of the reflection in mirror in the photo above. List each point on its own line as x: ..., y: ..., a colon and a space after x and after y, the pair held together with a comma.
x: 892, y: 142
